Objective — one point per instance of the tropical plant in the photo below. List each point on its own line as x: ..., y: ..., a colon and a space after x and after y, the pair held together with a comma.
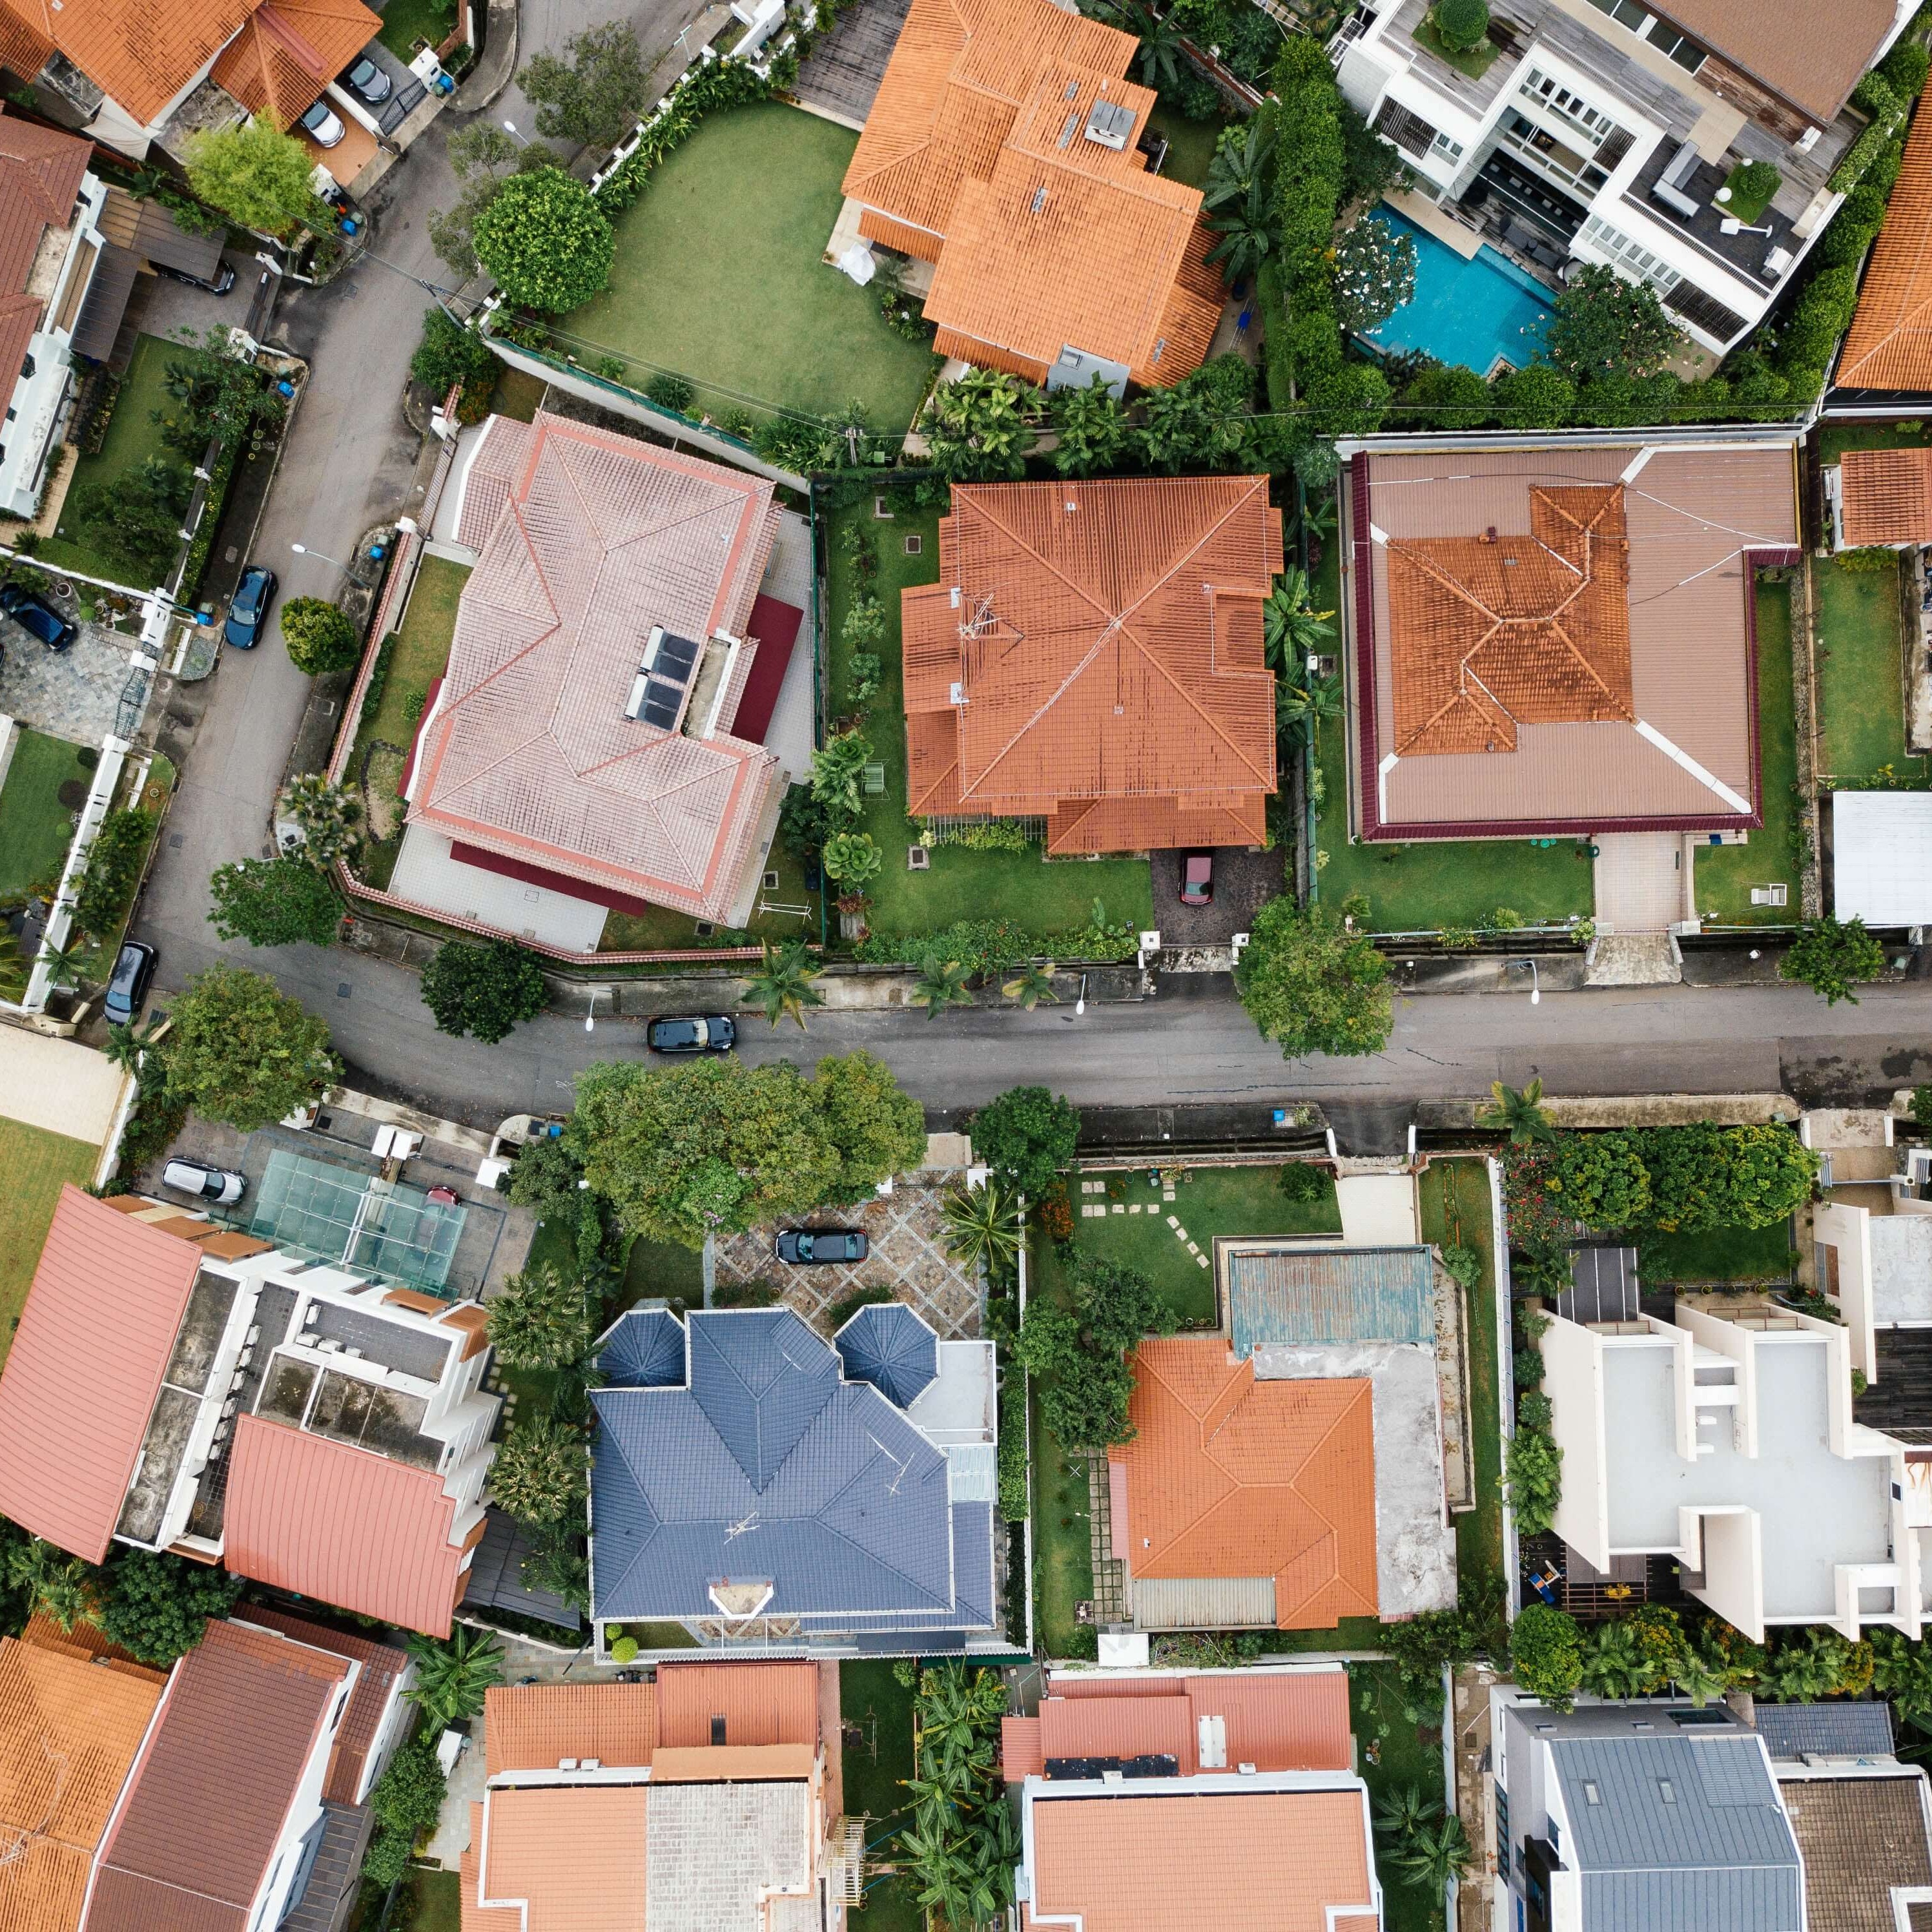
x: 63, y: 960
x: 1405, y: 1810
x: 1306, y: 707
x: 453, y: 1674
x: 1435, y: 1857
x: 977, y: 430
x: 1518, y: 1113
x: 127, y: 1044
x: 837, y: 770
x: 781, y: 987
x: 941, y: 983
x: 322, y: 637
x: 1090, y: 426
x: 328, y: 816
x: 1292, y: 629
x: 58, y: 1586
x: 1545, y: 1652
x: 1697, y: 1677
x: 559, y: 1565
x: 980, y: 1226
x: 854, y: 860
x: 1246, y: 227
x: 1614, y: 1664
x: 541, y: 1320
x: 1535, y: 1479
x: 545, y: 241
x: 1832, y: 956
x: 1033, y: 984
x: 1903, y: 1672
x: 1159, y: 61
x: 539, y: 1475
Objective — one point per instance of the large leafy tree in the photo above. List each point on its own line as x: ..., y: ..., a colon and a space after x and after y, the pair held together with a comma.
x: 1832, y: 956
x: 540, y: 1474
x: 322, y: 637
x: 136, y: 519
x: 214, y: 395
x: 156, y: 1606
x: 1604, y: 326
x: 545, y: 241
x: 1375, y: 274
x: 450, y: 356
x: 258, y: 176
x: 1312, y: 983
x: 542, y: 1319
x: 242, y: 1051
x: 482, y: 157
x: 1704, y: 1177
x: 681, y: 1152
x: 488, y: 990
x: 593, y: 93
x: 1599, y: 1179
x: 1546, y: 1653
x: 877, y: 1127
x: 283, y: 901
x: 1027, y: 1135
x: 1076, y: 1351
x: 452, y: 1675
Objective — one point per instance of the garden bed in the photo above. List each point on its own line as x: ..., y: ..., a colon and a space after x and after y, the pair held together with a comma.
x: 875, y: 1769
x: 1860, y: 671
x: 1381, y: 1717
x: 94, y: 965
x: 1062, y: 1550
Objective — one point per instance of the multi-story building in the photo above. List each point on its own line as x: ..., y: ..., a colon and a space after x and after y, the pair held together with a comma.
x: 1605, y: 131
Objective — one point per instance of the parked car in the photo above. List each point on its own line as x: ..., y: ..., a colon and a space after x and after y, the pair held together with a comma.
x: 1197, y: 879
x: 321, y: 126
x: 696, y: 1033
x: 127, y: 985
x: 224, y: 277
x: 37, y: 617
x: 219, y: 1184
x: 367, y: 82
x: 809, y: 1245
x: 248, y: 607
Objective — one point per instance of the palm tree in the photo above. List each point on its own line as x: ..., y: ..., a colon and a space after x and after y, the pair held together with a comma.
x: 1520, y: 1115
x: 1697, y: 1677
x: 64, y: 961
x: 782, y: 984
x: 1405, y: 1811
x: 1436, y: 1855
x: 452, y: 1677
x: 1291, y: 629
x: 12, y: 962
x: 1614, y: 1663
x: 126, y: 1044
x: 563, y: 1570
x: 1034, y: 984
x: 1159, y: 59
x: 57, y: 1586
x: 941, y: 983
x: 1246, y: 228
x: 981, y: 1226
x: 1307, y: 707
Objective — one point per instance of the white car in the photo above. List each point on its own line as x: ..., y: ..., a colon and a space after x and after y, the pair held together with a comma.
x: 320, y: 124
x: 218, y: 1184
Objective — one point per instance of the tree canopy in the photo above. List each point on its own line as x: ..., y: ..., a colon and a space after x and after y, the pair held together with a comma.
x: 1027, y: 1136
x: 259, y: 176
x: 540, y: 1474
x: 284, y: 902
x: 541, y: 1320
x: 593, y: 93
x: 1604, y: 326
x: 876, y: 1127
x: 488, y: 990
x: 1831, y: 956
x: 156, y: 1606
x: 1312, y: 982
x: 545, y: 241
x: 322, y: 637
x: 1076, y: 1350
x: 242, y: 1051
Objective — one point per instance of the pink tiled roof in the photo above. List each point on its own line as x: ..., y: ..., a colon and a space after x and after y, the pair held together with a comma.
x: 86, y: 1364
x: 594, y: 539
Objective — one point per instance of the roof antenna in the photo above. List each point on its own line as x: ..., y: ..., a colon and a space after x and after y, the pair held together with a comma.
x: 742, y: 1526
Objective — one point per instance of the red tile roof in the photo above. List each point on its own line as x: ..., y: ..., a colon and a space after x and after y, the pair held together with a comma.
x: 1889, y: 344
x: 1229, y: 1476
x: 86, y: 1364
x: 141, y: 53
x: 1140, y: 712
x: 1886, y: 496
x: 341, y: 1524
x: 533, y: 1726
x: 380, y: 1665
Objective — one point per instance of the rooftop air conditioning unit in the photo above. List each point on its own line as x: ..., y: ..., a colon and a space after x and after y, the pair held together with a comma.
x: 1110, y: 122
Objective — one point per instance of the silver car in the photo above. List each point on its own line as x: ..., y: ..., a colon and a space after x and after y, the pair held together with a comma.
x: 218, y: 1184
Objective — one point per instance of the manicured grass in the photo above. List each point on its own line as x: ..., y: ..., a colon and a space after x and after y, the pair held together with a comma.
x: 870, y: 1696
x: 663, y: 927
x: 406, y: 22
x: 662, y: 1268
x: 517, y: 394
x: 1063, y: 1549
x: 36, y: 1164
x: 1725, y: 874
x: 1720, y: 1254
x: 1471, y: 62
x: 1744, y: 206
x: 1381, y: 1716
x: 1455, y: 1198
x: 961, y: 884
x: 434, y: 1902
x: 421, y: 651
x: 35, y: 828
x: 719, y: 278
x: 1190, y: 145
x: 1861, y: 677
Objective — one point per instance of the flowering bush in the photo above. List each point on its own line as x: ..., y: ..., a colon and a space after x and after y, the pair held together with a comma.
x: 1375, y: 274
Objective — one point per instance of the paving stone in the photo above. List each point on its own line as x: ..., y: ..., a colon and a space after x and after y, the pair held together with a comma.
x: 1180, y: 1232
x: 74, y: 693
x: 1194, y: 1247
x: 1200, y: 1261
x: 1118, y: 1209
x: 1172, y: 1223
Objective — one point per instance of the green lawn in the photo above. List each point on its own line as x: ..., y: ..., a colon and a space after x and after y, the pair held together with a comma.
x: 1382, y: 1719
x: 872, y: 1698
x: 719, y: 278
x: 1725, y: 874
x: 1062, y: 1550
x: 517, y: 394
x: 1861, y: 678
x: 1190, y: 145
x: 1719, y: 1254
x: 35, y: 1163
x: 961, y: 884
x: 406, y: 22
x: 36, y: 828
x: 662, y: 1269
x: 662, y: 927
x: 433, y: 1902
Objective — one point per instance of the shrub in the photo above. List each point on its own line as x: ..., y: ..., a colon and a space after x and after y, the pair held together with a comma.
x: 1015, y: 1503
x: 1305, y: 1180
x: 322, y: 637
x: 1904, y: 69
x: 1831, y: 956
x: 1462, y: 23
x: 1534, y: 1409
x: 545, y: 241
x: 624, y: 1650
x: 113, y: 870
x: 408, y: 1796
x: 1872, y: 558
x: 866, y: 670
x: 671, y: 392
x: 1752, y: 185
x: 1703, y: 1177
x: 865, y: 623
x: 1535, y: 1479
x: 449, y: 356
x: 1599, y: 1179
x: 1546, y: 1653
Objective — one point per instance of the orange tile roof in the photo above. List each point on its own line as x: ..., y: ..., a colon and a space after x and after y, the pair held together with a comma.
x: 86, y: 1366
x: 1886, y: 496
x: 533, y: 1726
x: 977, y: 138
x: 288, y: 51
x: 573, y: 1857
x: 705, y: 1764
x: 1490, y: 633
x: 761, y: 1703
x: 141, y: 53
x: 1140, y: 712
x: 341, y: 1524
x: 1228, y: 1861
x: 1227, y: 1476
x: 1889, y: 344
x: 70, y: 1730
x: 1021, y: 1752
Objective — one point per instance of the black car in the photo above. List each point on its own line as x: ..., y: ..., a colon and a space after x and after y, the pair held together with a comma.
x: 367, y: 82
x: 249, y: 607
x: 37, y: 617
x: 224, y: 277
x: 807, y: 1246
x: 696, y: 1033
x: 133, y: 969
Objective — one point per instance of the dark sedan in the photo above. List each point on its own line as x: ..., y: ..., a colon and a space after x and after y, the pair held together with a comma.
x: 806, y: 1247
x: 248, y: 609
x: 133, y: 970
x: 37, y: 617
x: 695, y: 1033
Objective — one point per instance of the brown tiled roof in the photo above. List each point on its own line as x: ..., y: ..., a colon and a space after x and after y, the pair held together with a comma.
x: 69, y: 1732
x: 380, y: 1665
x: 574, y: 1857
x: 1496, y: 632
x: 288, y: 51
x: 1104, y: 642
x: 1859, y: 1837
x: 343, y: 1525
x: 86, y: 1366
x: 192, y: 1844
x: 1227, y: 1862
x: 141, y: 53
x: 594, y: 539
x: 977, y: 138
x: 532, y: 1727
x: 761, y: 1703
x: 1228, y: 1476
x: 40, y: 174
x: 1885, y: 495
x: 1811, y: 55
x: 1889, y: 344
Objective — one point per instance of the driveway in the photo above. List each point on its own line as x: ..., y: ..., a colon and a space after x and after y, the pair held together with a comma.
x: 1244, y: 882
x: 74, y: 693
x: 163, y: 306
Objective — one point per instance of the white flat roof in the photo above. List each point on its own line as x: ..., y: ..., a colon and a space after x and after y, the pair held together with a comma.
x: 1882, y: 857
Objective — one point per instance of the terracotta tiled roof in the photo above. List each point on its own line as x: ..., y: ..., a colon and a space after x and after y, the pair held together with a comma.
x: 761, y: 1703
x: 192, y: 1844
x: 1104, y: 642
x: 1812, y: 56
x: 532, y: 1727
x: 69, y: 1732
x: 380, y: 1665
x: 86, y: 1366
x: 1228, y: 1476
x: 1274, y: 1720
x: 1493, y: 632
x: 1885, y: 495
x: 704, y: 1764
x: 288, y: 51
x: 596, y: 539
x: 1889, y: 344
x: 573, y: 1857
x: 977, y: 140
x: 141, y: 53
x: 341, y: 1524
x: 1229, y: 1862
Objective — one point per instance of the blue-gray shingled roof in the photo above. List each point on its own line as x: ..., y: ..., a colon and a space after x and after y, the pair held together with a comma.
x: 771, y: 1467
x: 888, y: 1346
x: 1829, y: 1730
x: 643, y: 1349
x: 1684, y: 1835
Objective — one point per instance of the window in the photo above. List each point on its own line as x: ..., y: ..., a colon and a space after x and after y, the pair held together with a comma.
x: 1544, y: 90
x: 1555, y: 1838
x: 1593, y: 1792
x: 1660, y: 34
x: 1631, y: 256
x: 1502, y: 1833
x: 1666, y: 1791
x: 1450, y: 150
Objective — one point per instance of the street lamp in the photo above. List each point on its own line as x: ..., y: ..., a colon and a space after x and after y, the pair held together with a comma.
x: 303, y: 550
x: 590, y: 1018
x: 1080, y: 1004
x: 510, y: 128
x: 1535, y: 983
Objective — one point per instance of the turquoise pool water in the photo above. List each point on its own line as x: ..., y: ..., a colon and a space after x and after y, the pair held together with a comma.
x: 1476, y: 312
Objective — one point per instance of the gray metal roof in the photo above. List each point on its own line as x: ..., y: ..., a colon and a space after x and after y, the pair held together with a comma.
x: 888, y: 1346
x: 1825, y: 1730
x: 1295, y: 1296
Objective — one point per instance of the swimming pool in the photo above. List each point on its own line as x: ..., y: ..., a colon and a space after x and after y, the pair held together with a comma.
x: 1476, y: 312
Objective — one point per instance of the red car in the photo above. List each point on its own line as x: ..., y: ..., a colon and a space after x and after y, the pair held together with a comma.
x: 1197, y: 879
